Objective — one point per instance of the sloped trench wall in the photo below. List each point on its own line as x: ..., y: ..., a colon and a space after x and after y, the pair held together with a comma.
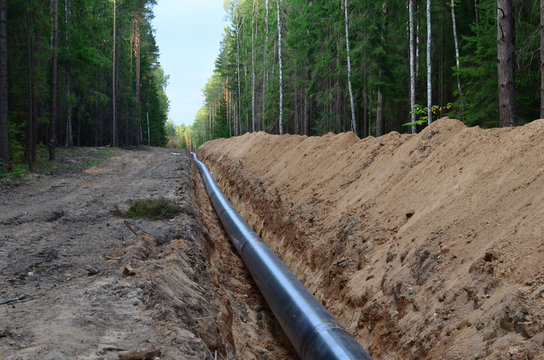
x: 195, y: 287
x: 249, y: 327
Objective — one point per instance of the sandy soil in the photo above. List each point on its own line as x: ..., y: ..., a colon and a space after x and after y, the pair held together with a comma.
x: 426, y: 246
x: 79, y: 281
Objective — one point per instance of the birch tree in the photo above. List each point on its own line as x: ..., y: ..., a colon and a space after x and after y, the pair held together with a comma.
x: 456, y: 44
x: 4, y: 144
x: 505, y: 57
x: 280, y: 69
x: 253, y: 68
x: 53, y: 118
x: 237, y: 128
x: 429, y: 67
x: 412, y: 65
x: 353, y: 122
x: 265, y: 60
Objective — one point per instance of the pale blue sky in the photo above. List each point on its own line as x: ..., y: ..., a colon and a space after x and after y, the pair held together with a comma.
x: 188, y: 33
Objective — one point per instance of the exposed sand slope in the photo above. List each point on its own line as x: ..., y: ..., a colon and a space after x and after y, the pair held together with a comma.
x: 424, y: 246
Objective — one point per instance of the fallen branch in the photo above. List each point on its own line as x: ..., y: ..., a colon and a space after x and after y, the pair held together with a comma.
x: 134, y: 231
x: 9, y: 301
x: 130, y: 228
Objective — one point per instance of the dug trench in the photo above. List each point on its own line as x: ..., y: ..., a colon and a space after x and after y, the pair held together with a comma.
x: 424, y: 246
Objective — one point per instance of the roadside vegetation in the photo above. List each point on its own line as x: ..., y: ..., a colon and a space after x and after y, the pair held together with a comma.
x: 67, y: 160
x: 152, y: 209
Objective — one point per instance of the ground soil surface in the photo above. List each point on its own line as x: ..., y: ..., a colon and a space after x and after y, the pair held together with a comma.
x: 79, y: 281
x: 427, y: 246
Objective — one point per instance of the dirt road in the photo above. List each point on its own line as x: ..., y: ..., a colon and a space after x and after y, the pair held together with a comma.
x: 77, y: 280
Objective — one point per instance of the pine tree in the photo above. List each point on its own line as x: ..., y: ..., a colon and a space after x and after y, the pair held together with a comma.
x: 4, y: 141
x: 69, y: 136
x: 412, y: 65
x: 429, y: 67
x: 505, y: 57
x: 114, y: 78
x: 353, y: 121
x: 280, y: 120
x: 542, y: 59
x: 53, y: 121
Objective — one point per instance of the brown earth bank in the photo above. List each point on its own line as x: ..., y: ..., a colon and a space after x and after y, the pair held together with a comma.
x: 427, y: 246
x: 78, y: 281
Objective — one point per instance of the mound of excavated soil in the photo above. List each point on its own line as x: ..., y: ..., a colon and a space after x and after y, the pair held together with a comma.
x: 427, y: 246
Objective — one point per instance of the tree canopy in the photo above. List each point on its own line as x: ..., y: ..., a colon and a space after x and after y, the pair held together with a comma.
x: 316, y: 92
x: 83, y: 94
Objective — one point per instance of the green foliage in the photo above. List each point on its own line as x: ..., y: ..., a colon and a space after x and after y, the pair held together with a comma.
x: 422, y: 114
x: 85, y: 58
x: 16, y: 171
x: 68, y: 159
x: 479, y: 68
x: 315, y: 66
x: 152, y: 209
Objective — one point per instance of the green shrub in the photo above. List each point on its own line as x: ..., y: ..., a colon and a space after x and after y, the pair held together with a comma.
x: 152, y: 209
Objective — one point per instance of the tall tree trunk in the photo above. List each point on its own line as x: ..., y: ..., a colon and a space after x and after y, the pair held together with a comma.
x: 412, y: 65
x: 52, y: 123
x: 4, y: 140
x: 148, y: 130
x: 69, y: 137
x: 137, y: 45
x: 379, y: 109
x: 429, y: 67
x: 416, y: 10
x: 380, y: 126
x: 476, y: 16
x: 505, y: 57
x: 31, y: 137
x: 36, y: 49
x: 227, y: 99
x: 542, y: 59
x: 305, y: 107
x: 353, y: 121
x: 456, y: 43
x: 113, y: 79
x: 365, y: 102
x: 265, y: 62
x: 280, y: 70
x: 253, y: 69
x: 238, y: 125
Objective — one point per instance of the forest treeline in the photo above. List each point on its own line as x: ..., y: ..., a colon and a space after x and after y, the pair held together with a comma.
x: 78, y: 72
x: 310, y: 67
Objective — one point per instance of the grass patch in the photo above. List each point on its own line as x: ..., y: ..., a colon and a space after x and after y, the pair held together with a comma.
x: 152, y: 209
x: 67, y: 160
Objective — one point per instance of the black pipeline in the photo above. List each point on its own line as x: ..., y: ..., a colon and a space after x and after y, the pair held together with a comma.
x: 312, y: 330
